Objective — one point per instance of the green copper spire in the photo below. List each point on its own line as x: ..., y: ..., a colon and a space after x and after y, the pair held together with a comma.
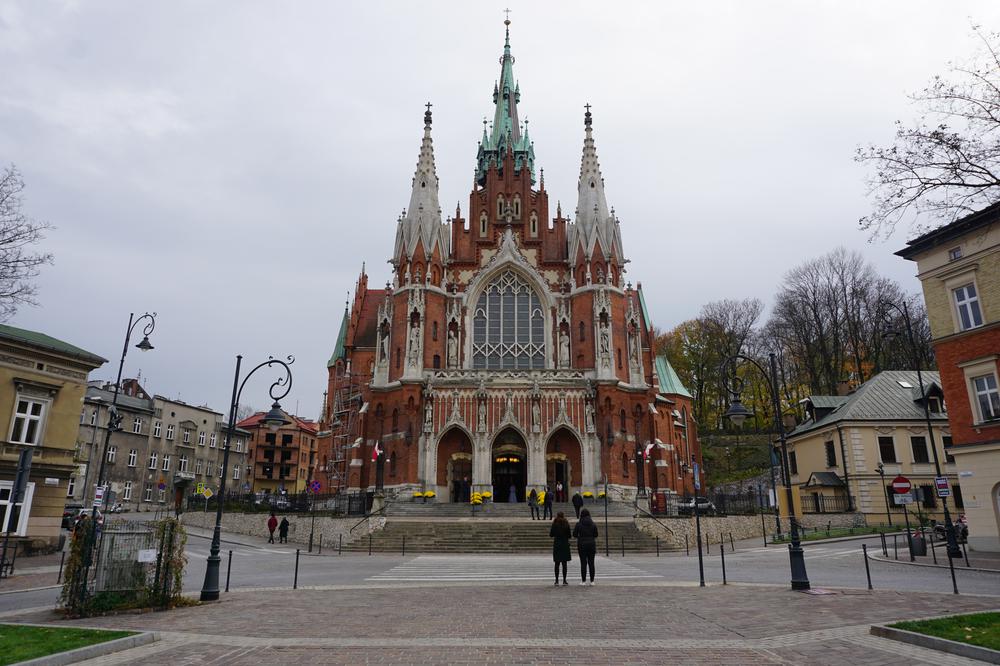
x: 505, y: 135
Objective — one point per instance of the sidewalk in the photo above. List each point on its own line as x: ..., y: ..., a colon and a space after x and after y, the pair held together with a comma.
x: 977, y: 559
x: 34, y: 572
x: 633, y: 623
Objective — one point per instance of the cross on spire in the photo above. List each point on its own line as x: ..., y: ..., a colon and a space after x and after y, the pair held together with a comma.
x: 507, y: 19
x: 428, y: 105
x: 587, y: 107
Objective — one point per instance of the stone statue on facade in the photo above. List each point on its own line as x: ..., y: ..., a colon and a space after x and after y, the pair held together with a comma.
x: 536, y: 417
x: 605, y: 340
x: 563, y: 349
x: 428, y: 416
x: 590, y: 416
x: 384, y: 358
x: 414, y: 343
x: 452, y: 349
x: 481, y: 423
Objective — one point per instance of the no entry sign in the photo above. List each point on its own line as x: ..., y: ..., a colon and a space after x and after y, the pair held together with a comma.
x: 901, y: 485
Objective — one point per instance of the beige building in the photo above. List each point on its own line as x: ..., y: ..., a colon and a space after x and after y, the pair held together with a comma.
x: 42, y: 384
x: 959, y: 268
x: 848, y: 451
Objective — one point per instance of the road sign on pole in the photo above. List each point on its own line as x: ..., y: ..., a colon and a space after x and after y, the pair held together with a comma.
x: 99, y: 496
x: 208, y: 493
x: 697, y: 478
x: 901, y: 485
x: 902, y: 498
x: 199, y: 489
x: 943, y: 489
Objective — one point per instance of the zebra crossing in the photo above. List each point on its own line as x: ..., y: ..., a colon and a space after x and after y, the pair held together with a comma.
x: 478, y: 568
x: 812, y: 552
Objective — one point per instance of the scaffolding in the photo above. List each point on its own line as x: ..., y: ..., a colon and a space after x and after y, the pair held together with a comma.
x: 343, y: 422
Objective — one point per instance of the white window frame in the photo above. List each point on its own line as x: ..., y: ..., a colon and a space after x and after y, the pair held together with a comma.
x: 199, y: 465
x: 974, y: 369
x: 209, y: 467
x: 71, y: 486
x: 986, y: 386
x: 153, y: 457
x: 93, y: 416
x: 170, y: 431
x: 111, y: 454
x: 20, y: 422
x: 187, y: 436
x: 166, y: 463
x: 211, y: 441
x: 236, y: 472
x: 182, y: 464
x: 147, y: 493
x: 161, y: 495
x: 22, y: 520
x: 201, y: 438
x: 157, y: 428
x: 133, y: 456
x: 127, y: 491
x: 968, y: 305
x: 484, y: 222
x: 137, y: 425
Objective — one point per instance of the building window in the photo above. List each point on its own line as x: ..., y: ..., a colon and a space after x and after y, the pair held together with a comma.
x: 831, y: 454
x: 236, y: 472
x: 147, y: 493
x: 286, y: 439
x: 93, y: 417
x: 170, y: 432
x: 161, y: 495
x: 887, y: 450
x: 209, y: 468
x: 935, y: 405
x: 534, y: 224
x: 619, y: 350
x: 500, y: 206
x: 201, y: 438
x: 166, y: 463
x: 946, y: 443
x: 133, y: 455
x: 434, y: 331
x: 399, y: 357
x: 71, y: 486
x: 211, y: 441
x: 517, y: 207
x: 955, y: 253
x: 395, y: 420
x: 152, y: 460
x: 182, y: 464
x: 187, y: 436
x: 919, y: 446
x: 624, y: 464
x: 987, y: 396
x: 621, y: 416
x: 127, y: 491
x: 27, y: 426
x: 583, y: 332
x: 137, y: 425
x: 483, y: 223
x: 956, y: 493
x: 967, y: 305
x: 199, y: 466
x: 157, y: 425
x: 437, y: 361
x: 222, y: 470
x: 15, y: 516
x: 508, y: 328
x: 793, y: 463
x: 111, y: 454
x: 927, y: 497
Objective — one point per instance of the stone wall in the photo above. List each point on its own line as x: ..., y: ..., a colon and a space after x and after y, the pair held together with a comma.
x: 255, y: 524
x: 673, y: 530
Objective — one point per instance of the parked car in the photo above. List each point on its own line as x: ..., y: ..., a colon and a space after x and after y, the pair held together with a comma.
x: 69, y: 515
x: 685, y: 506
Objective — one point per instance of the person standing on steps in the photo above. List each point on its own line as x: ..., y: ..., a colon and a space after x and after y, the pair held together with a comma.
x: 547, y: 504
x: 559, y: 492
x: 560, y: 534
x: 283, y: 530
x: 512, y: 496
x: 272, y: 524
x: 533, y: 504
x: 577, y: 503
x: 585, y: 533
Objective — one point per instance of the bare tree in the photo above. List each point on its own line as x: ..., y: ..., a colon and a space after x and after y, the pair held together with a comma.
x: 244, y: 411
x: 947, y: 164
x: 19, y: 264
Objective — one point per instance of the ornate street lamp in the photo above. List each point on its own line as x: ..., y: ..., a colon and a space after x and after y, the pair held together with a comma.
x: 949, y: 527
x: 114, y: 425
x: 274, y: 419
x: 738, y: 413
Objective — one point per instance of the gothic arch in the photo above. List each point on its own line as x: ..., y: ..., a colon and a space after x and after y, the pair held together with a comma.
x: 564, y: 447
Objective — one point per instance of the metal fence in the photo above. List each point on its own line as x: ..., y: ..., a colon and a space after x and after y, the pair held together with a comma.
x: 344, y: 504
x: 828, y: 504
x: 126, y: 554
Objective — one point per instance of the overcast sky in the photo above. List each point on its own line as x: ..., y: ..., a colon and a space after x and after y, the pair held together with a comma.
x: 230, y: 164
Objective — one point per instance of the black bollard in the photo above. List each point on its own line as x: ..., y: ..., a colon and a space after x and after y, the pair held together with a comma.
x: 965, y: 554
x: 687, y: 549
x: 340, y: 545
x: 895, y: 548
x: 868, y: 573
x: 933, y: 552
x: 885, y: 547
x: 369, y: 543
x: 321, y: 544
x: 61, y: 560
x: 229, y: 568
x: 404, y: 546
x: 732, y: 545
x: 722, y: 554
x: 657, y: 546
x: 623, y: 545
x: 763, y: 529
x: 295, y: 584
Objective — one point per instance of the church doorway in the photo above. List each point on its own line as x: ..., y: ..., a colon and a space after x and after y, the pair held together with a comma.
x: 510, y: 466
x: 563, y: 463
x: 454, y: 466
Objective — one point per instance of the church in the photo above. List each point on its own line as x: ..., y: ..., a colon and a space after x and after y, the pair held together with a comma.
x: 509, y: 351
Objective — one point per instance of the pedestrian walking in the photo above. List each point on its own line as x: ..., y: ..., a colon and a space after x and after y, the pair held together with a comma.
x: 466, y: 490
x: 585, y: 533
x: 512, y: 496
x: 560, y: 534
x: 547, y: 504
x: 533, y: 504
x: 559, y: 492
x: 272, y: 524
x: 577, y: 503
x: 283, y: 530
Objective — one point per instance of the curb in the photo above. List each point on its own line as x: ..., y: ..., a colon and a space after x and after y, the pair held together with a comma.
x: 889, y: 560
x: 935, y: 643
x: 31, y: 589
x: 92, y: 651
x: 806, y: 544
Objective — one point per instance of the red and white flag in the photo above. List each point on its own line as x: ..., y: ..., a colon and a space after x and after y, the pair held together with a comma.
x: 376, y: 451
x: 649, y: 447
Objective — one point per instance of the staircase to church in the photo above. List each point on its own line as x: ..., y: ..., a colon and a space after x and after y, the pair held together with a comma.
x: 499, y: 510
x: 491, y: 536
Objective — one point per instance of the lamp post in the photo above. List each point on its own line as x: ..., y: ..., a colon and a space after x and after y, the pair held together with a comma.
x: 274, y: 419
x: 949, y: 527
x: 114, y: 425
x: 737, y: 413
x: 880, y: 468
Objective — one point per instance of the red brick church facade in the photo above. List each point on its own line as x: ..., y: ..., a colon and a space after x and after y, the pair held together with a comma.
x: 508, y: 350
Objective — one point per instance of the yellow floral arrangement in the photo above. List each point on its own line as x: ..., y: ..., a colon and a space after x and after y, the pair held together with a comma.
x: 477, y: 499
x: 541, y: 497
x: 418, y: 494
x: 486, y: 494
x: 430, y: 493
x: 602, y: 494
x: 588, y: 494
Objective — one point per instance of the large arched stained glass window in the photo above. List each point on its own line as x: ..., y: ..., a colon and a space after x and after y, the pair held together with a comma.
x: 508, y: 328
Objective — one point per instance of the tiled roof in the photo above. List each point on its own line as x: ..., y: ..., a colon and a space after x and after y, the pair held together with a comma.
x: 827, y: 401
x: 338, y: 349
x: 367, y: 325
x: 253, y: 421
x: 667, y: 378
x: 124, y: 401
x: 888, y: 396
x: 824, y: 479
x: 49, y: 343
x: 949, y: 232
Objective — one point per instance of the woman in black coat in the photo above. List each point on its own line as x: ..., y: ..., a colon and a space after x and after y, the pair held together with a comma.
x: 585, y: 533
x: 560, y: 534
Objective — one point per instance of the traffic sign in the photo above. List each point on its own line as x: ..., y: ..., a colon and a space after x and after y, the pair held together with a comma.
x: 903, y: 499
x: 943, y: 489
x: 161, y: 485
x: 314, y: 487
x: 901, y: 485
x: 99, y: 496
x: 208, y: 493
x: 199, y: 489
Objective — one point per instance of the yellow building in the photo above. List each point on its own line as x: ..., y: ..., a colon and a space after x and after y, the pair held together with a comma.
x: 42, y: 384
x: 848, y: 451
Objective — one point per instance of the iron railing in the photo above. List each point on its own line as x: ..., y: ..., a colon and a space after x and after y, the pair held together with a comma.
x: 828, y: 503
x: 343, y: 504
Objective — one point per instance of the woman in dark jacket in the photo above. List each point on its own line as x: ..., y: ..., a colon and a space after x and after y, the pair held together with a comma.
x: 283, y: 530
x: 585, y: 533
x: 560, y: 545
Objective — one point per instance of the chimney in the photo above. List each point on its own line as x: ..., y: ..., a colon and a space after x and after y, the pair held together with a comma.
x: 843, y: 387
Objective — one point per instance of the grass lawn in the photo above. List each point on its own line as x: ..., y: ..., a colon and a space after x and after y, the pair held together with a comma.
x: 815, y: 535
x: 982, y: 629
x: 18, y: 642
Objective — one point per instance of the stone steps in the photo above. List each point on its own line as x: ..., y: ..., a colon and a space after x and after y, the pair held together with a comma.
x: 500, y: 509
x: 495, y: 536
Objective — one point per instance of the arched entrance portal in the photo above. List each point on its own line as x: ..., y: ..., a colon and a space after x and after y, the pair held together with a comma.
x: 454, y: 465
x: 563, y: 462
x: 510, y: 465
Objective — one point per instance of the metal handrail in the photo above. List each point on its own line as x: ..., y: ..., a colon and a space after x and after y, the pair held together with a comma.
x: 372, y: 513
x: 635, y: 504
